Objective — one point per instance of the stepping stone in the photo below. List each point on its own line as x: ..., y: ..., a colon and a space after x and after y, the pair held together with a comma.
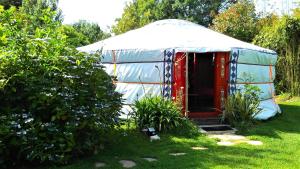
x: 127, y: 163
x: 99, y: 164
x: 150, y: 159
x: 233, y: 139
x: 255, y: 143
x: 177, y: 154
x: 228, y: 137
x: 225, y: 143
x: 199, y: 148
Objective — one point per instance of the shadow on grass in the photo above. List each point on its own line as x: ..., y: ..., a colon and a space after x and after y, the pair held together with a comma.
x: 287, y: 121
x: 129, y: 144
x: 133, y: 145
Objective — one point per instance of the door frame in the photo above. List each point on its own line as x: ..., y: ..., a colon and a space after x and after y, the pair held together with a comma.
x: 180, y: 83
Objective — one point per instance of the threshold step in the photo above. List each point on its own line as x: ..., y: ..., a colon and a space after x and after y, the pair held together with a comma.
x: 208, y: 121
x: 216, y: 129
x: 216, y: 125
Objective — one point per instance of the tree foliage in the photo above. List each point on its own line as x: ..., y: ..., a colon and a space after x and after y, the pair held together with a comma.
x: 55, y: 103
x: 83, y: 33
x: 283, y: 35
x: 90, y: 30
x: 141, y: 12
x: 35, y: 7
x: 239, y: 21
x: 8, y: 3
x: 74, y: 38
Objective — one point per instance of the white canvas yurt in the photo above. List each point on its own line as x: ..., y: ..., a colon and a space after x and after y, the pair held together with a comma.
x: 184, y: 61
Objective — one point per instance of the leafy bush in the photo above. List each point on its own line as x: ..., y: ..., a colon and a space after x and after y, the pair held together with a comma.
x: 162, y: 114
x: 283, y: 36
x: 242, y: 106
x: 239, y: 21
x: 55, y: 103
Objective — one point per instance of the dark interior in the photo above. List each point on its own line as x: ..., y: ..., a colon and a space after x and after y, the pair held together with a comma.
x: 201, y: 82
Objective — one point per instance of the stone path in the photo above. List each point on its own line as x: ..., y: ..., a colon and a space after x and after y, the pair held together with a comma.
x: 177, y: 154
x: 127, y: 163
x: 150, y: 159
x: 99, y: 164
x: 199, y: 148
x: 233, y: 139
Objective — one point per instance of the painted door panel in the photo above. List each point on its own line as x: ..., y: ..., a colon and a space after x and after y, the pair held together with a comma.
x: 179, y: 82
x: 221, y: 71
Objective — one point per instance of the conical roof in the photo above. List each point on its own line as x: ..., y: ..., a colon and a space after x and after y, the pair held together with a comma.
x: 172, y: 34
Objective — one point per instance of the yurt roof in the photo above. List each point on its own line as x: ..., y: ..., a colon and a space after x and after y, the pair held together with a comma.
x: 172, y: 34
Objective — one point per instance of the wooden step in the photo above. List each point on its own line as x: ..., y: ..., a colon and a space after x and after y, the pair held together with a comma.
x: 217, y: 129
x: 207, y: 121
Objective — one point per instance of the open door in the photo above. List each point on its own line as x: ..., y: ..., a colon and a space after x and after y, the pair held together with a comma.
x: 200, y: 83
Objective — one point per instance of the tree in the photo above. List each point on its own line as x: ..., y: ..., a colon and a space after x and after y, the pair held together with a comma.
x: 91, y: 31
x: 55, y: 102
x: 40, y: 5
x: 283, y: 36
x: 141, y: 12
x: 238, y: 21
x: 74, y: 38
x: 8, y: 3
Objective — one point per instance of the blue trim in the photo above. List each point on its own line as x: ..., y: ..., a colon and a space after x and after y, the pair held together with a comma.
x: 167, y: 80
x: 233, y: 70
x: 164, y: 64
x: 172, y: 80
x: 238, y: 48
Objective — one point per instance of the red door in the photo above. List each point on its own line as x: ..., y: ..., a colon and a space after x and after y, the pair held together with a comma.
x: 221, y: 80
x: 179, y: 76
x: 180, y: 91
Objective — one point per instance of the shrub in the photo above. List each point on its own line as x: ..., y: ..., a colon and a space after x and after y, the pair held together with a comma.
x: 283, y: 37
x: 162, y: 114
x: 55, y: 103
x: 242, y: 107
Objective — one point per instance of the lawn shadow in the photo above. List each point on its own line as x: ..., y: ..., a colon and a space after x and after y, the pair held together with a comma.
x: 135, y: 146
x: 287, y: 121
x: 131, y: 144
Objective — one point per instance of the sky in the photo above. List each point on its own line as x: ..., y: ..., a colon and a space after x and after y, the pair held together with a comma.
x: 279, y: 7
x: 103, y: 12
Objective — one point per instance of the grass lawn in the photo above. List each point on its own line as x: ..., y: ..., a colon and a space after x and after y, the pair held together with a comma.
x: 280, y: 149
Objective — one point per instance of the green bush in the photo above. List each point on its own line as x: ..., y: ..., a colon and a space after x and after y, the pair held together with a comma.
x: 162, y: 114
x: 283, y: 37
x: 242, y: 106
x: 55, y: 103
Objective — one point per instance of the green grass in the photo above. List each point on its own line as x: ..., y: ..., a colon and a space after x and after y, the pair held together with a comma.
x: 281, y: 148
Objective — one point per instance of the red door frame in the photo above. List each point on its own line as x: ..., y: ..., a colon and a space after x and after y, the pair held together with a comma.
x: 179, y: 90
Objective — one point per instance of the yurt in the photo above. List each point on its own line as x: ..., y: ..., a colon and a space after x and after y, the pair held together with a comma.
x: 189, y: 63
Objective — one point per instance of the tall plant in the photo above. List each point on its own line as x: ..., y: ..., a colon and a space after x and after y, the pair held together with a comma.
x: 157, y: 112
x: 242, y: 106
x: 164, y: 115
x: 284, y: 37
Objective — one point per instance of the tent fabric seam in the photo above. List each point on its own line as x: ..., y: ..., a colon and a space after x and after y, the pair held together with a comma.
x: 132, y: 62
x: 255, y: 64
x: 254, y: 82
x: 162, y: 49
x: 271, y: 53
x: 154, y: 83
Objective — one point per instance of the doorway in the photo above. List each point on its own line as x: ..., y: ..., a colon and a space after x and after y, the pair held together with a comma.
x: 200, y: 82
